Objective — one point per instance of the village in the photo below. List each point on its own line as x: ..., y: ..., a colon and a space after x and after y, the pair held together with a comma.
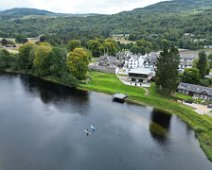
x: 139, y: 70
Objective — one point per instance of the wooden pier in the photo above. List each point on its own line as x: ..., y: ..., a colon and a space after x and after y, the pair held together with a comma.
x: 119, y: 97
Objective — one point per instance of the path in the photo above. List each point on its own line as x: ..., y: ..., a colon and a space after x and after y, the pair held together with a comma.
x: 200, y: 109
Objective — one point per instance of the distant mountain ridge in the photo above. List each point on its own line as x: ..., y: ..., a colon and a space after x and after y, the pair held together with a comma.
x: 20, y: 12
x: 25, y: 11
x: 169, y: 20
x: 179, y: 5
x: 171, y: 6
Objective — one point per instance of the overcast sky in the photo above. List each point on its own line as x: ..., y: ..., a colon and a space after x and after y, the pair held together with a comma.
x: 78, y: 6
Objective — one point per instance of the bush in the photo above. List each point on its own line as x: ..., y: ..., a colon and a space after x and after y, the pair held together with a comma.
x: 206, y: 82
x: 189, y: 101
x: 69, y: 80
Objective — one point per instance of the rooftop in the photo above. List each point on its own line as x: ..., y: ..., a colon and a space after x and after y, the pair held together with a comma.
x: 145, y: 71
x: 195, y: 88
x: 120, y: 96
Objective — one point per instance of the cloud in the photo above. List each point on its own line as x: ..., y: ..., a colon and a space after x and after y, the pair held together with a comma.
x: 79, y: 6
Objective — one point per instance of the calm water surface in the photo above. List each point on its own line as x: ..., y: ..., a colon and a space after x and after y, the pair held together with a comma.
x: 42, y: 128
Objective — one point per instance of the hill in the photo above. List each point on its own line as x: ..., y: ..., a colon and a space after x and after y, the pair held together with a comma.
x: 23, y: 12
x: 172, y: 20
x: 176, y: 6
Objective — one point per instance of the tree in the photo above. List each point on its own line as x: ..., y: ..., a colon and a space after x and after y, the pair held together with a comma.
x: 110, y: 46
x: 56, y: 62
x: 144, y: 45
x: 21, y: 39
x: 26, y: 56
x: 191, y: 75
x: 4, y: 42
x: 4, y: 59
x: 210, y: 60
x: 95, y: 47
x: 78, y: 61
x: 202, y: 64
x: 40, y: 63
x: 43, y: 38
x: 72, y: 44
x: 135, y: 49
x: 167, y: 70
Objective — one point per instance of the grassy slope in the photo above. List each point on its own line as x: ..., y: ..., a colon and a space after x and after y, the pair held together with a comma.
x: 108, y: 83
x: 202, y: 125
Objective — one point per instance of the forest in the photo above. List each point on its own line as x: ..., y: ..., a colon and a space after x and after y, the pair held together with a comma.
x: 184, y: 23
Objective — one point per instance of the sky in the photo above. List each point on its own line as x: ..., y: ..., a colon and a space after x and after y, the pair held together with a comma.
x: 78, y: 6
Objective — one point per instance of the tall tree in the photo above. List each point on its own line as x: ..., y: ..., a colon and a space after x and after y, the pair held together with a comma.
x: 78, y: 61
x: 210, y: 60
x: 5, y: 59
x: 26, y: 56
x: 202, y: 64
x: 40, y: 63
x: 95, y: 47
x: 167, y: 70
x: 56, y: 62
x: 110, y: 46
x: 72, y: 44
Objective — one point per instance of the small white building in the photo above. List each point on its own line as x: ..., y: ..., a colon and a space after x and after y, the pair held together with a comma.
x: 140, y: 75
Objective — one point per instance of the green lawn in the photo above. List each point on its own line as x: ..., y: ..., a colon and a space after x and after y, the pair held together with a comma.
x: 109, y: 83
x: 201, y: 124
x: 183, y: 96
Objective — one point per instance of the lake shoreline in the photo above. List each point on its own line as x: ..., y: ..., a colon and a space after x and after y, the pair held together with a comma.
x: 184, y: 113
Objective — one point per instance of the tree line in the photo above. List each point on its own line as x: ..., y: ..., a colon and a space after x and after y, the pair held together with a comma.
x: 139, y: 24
x: 44, y: 60
x: 65, y: 63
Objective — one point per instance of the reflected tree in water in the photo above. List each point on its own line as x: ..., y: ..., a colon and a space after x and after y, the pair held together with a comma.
x: 58, y: 95
x: 160, y: 125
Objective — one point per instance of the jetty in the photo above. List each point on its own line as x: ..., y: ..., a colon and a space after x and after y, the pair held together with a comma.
x: 119, y: 97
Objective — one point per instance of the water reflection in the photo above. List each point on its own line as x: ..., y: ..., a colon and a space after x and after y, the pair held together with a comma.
x: 160, y: 125
x: 54, y: 91
x: 56, y: 94
x: 48, y: 132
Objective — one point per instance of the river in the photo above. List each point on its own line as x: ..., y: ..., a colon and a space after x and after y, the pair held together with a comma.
x: 42, y: 128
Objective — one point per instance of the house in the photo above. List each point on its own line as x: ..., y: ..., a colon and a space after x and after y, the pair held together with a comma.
x: 195, y: 91
x: 186, y: 61
x: 134, y: 61
x: 106, y: 64
x: 140, y: 75
x: 107, y: 60
x: 189, y: 34
x: 141, y: 61
x: 151, y: 59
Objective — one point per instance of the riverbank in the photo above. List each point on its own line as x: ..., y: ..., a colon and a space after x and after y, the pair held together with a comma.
x: 201, y: 124
x: 47, y: 78
x: 109, y: 83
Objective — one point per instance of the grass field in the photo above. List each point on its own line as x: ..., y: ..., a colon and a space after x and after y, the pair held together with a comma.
x: 201, y: 124
x: 108, y: 83
x: 122, y: 40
